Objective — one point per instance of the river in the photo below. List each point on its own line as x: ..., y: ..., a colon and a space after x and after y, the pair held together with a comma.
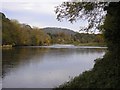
x: 46, y: 66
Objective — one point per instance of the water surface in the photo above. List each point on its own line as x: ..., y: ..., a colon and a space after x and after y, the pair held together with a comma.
x: 46, y: 66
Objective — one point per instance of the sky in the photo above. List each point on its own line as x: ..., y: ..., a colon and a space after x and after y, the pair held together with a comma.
x: 38, y: 13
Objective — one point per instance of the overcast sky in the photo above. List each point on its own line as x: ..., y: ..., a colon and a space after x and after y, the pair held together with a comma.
x: 38, y: 13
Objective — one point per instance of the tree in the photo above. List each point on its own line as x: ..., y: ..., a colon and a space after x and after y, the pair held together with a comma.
x: 105, y: 73
x: 9, y: 32
x: 92, y: 11
x: 17, y: 34
x: 99, y: 38
x: 112, y: 27
x: 95, y: 13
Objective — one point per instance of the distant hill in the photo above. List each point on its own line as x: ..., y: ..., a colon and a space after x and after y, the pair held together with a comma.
x: 54, y: 30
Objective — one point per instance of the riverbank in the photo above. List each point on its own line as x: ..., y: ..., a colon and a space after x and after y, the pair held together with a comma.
x: 103, y: 75
x: 75, y: 44
x: 6, y: 46
x: 90, y: 44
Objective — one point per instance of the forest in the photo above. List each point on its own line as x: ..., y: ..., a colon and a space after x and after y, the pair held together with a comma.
x: 17, y: 34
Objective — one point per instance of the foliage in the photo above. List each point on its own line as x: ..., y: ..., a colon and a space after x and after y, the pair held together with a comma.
x: 17, y: 34
x: 105, y: 73
x: 101, y: 76
x: 91, y: 11
x: 112, y: 27
x: 8, y: 30
x: 89, y: 38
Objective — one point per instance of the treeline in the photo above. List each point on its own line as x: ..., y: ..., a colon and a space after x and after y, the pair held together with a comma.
x: 14, y: 33
x: 78, y: 38
x: 17, y: 34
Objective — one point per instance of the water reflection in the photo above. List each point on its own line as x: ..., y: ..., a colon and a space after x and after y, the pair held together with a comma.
x: 12, y: 58
x: 31, y: 67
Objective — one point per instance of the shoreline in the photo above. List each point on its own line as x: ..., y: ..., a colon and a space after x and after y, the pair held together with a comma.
x: 81, y: 44
x: 6, y: 46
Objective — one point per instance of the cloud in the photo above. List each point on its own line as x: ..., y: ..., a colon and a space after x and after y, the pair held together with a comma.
x: 40, y: 6
x: 42, y: 1
x: 38, y: 13
x: 29, y: 7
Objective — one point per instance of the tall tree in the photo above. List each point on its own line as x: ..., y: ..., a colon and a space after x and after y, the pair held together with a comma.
x: 106, y: 72
x: 93, y: 12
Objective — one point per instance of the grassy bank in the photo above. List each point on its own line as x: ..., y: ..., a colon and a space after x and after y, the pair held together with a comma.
x: 103, y: 75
